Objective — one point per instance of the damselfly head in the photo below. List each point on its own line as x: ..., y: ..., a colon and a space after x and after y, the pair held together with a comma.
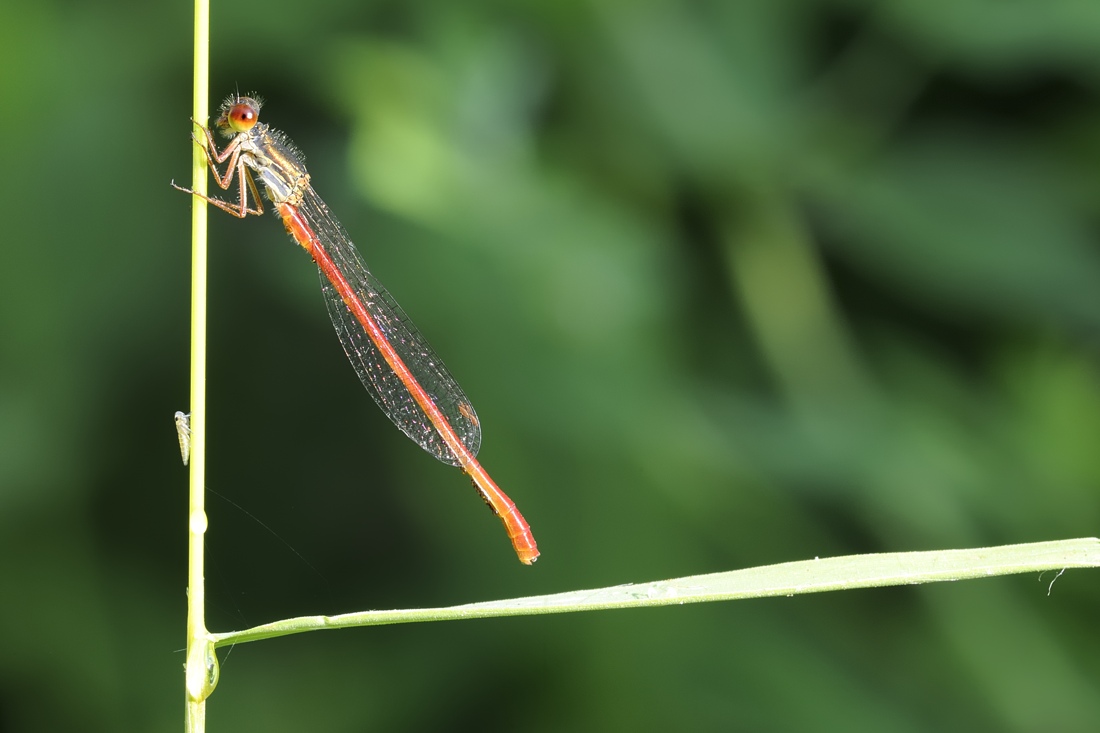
x: 239, y: 114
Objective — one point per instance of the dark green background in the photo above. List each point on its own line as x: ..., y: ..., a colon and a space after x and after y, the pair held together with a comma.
x: 730, y: 283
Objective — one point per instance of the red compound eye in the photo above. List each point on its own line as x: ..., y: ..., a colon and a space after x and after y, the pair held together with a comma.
x: 243, y: 115
x: 239, y: 114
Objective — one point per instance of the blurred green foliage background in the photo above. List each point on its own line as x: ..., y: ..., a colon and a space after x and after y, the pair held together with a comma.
x: 730, y: 283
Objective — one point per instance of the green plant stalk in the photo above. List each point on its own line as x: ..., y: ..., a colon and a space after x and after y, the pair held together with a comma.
x: 201, y: 667
x: 786, y: 579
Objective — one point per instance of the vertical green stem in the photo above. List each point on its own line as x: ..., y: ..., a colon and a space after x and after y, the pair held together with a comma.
x: 201, y: 671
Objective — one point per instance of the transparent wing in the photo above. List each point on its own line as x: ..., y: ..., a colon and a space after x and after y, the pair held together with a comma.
x: 386, y: 385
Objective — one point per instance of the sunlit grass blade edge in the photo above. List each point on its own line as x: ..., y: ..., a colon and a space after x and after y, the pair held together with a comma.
x: 785, y: 579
